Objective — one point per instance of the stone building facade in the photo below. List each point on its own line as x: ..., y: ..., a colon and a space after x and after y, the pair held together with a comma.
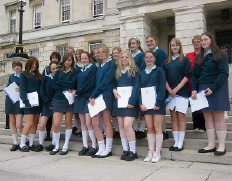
x: 52, y: 25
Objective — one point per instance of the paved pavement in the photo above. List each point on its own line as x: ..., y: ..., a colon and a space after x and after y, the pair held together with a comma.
x: 43, y: 167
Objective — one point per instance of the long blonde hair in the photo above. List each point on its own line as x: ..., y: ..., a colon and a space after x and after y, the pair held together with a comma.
x: 132, y: 69
x: 181, y: 58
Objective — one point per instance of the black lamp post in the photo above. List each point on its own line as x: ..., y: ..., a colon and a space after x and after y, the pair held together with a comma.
x: 19, y: 50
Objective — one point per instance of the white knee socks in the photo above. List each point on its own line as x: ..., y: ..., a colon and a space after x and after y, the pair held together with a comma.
x: 68, y: 133
x: 132, y: 145
x: 211, y: 139
x: 221, y: 140
x: 56, y: 137
x: 23, y: 140
x: 15, y: 139
x: 109, y: 142
x: 124, y: 142
x: 31, y: 139
x: 41, y: 137
x: 176, y: 137
x: 85, y: 138
x: 181, y: 139
x: 159, y: 142
x: 151, y: 141
x: 93, y: 138
x: 101, y: 146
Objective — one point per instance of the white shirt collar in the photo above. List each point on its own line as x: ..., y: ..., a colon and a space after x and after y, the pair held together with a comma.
x: 210, y: 51
x: 156, y: 48
x: 16, y: 75
x: 105, y: 63
x: 134, y: 55
x: 147, y: 72
x: 125, y: 70
x: 50, y: 75
x: 68, y: 70
x: 174, y: 58
x: 85, y: 68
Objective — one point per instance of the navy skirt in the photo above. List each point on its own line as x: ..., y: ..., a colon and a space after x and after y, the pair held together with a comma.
x: 62, y: 106
x: 11, y: 108
x: 109, y: 103
x: 46, y: 111
x: 81, y: 105
x: 125, y: 112
x: 219, y: 100
x: 161, y: 111
x: 32, y: 110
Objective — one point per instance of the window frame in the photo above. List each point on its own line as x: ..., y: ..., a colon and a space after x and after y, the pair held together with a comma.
x: 34, y: 18
x: 63, y: 51
x: 34, y: 54
x: 94, y: 44
x: 96, y: 4
x: 15, y: 20
x: 68, y: 10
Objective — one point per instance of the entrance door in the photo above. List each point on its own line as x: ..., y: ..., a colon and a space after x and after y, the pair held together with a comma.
x: 224, y: 41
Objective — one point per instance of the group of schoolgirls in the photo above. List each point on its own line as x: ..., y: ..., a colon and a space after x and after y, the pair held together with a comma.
x: 100, y: 75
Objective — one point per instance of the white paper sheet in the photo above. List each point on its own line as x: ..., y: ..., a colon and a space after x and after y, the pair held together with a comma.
x: 179, y: 104
x: 98, y: 107
x: 69, y: 96
x: 125, y: 94
x: 33, y: 99
x: 12, y: 93
x: 149, y: 97
x: 200, y: 103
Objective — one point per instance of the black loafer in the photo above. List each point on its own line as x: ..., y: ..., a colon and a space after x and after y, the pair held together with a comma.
x: 54, y: 151
x: 50, y: 147
x: 131, y: 156
x: 179, y: 149
x: 48, y: 139
x: 83, y: 151
x: 32, y: 147
x: 165, y: 136
x: 104, y: 156
x: 124, y: 155
x: 64, y: 152
x: 207, y: 151
x: 14, y: 147
x: 116, y: 134
x: 141, y: 135
x: 172, y: 148
x: 219, y: 153
x: 39, y: 148
x: 92, y: 151
x: 24, y: 149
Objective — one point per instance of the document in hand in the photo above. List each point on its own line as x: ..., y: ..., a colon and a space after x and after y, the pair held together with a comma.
x: 33, y: 99
x: 149, y: 97
x: 125, y: 94
x: 98, y: 106
x: 179, y: 104
x: 12, y: 93
x: 69, y: 96
x: 200, y: 103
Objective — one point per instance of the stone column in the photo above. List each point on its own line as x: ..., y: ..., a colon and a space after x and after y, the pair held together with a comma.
x: 189, y: 21
x: 134, y: 26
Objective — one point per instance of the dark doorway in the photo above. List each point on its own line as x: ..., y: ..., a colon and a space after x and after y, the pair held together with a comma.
x: 224, y: 41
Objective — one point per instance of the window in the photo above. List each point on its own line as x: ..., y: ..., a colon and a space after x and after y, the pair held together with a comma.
x: 97, y: 8
x: 35, y: 53
x: 37, y: 16
x: 12, y: 22
x: 94, y: 44
x: 62, y: 49
x: 65, y: 10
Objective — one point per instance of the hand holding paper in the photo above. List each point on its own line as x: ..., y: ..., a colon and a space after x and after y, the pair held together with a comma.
x: 97, y: 107
x: 69, y: 96
x: 12, y: 92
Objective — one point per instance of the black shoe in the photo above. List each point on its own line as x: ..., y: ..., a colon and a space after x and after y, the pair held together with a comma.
x: 39, y: 148
x: 131, y: 156
x: 207, y: 151
x: 64, y: 152
x: 27, y: 143
x: 141, y: 135
x: 83, y: 151
x: 54, y: 151
x: 219, y: 153
x: 74, y: 129
x: 179, y: 149
x: 77, y: 133
x: 124, y: 155
x: 116, y: 134
x: 172, y: 148
x: 32, y: 147
x: 50, y: 147
x: 92, y: 151
x: 165, y: 136
x: 104, y: 156
x: 24, y: 149
x: 48, y: 139
x: 136, y: 133
x: 14, y: 147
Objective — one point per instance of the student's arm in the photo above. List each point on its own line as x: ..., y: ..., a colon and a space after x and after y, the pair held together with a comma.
x: 23, y: 89
x: 161, y: 88
x: 136, y: 90
x: 43, y: 92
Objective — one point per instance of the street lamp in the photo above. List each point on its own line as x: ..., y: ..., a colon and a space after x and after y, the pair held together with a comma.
x: 19, y: 50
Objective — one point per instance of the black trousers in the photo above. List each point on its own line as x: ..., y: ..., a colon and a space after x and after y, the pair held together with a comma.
x: 198, y: 120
